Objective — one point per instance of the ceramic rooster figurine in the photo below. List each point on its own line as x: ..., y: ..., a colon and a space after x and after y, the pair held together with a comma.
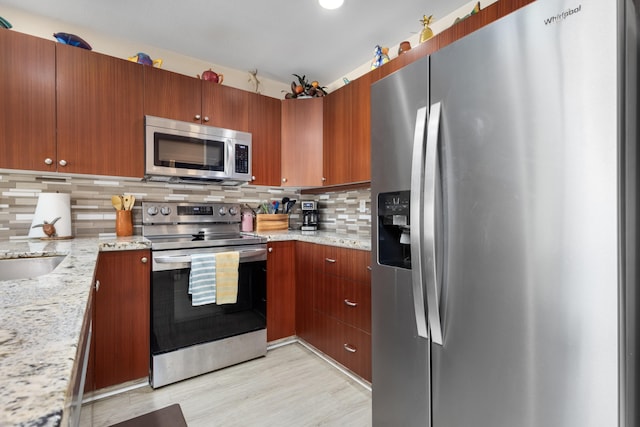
x: 48, y: 227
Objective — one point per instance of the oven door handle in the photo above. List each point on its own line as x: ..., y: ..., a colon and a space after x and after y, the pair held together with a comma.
x: 245, y: 255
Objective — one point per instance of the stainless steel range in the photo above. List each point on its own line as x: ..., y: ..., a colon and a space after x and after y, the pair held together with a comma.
x: 186, y: 339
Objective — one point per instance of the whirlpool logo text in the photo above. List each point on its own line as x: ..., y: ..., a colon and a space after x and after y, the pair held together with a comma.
x: 562, y: 15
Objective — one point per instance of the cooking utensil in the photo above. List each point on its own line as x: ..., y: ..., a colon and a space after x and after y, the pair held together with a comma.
x: 116, y: 201
x: 132, y: 202
x: 289, y: 206
x: 126, y: 202
x: 285, y: 200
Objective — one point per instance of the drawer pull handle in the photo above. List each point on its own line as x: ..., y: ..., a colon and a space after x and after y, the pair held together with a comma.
x: 332, y: 261
x: 350, y: 303
x: 369, y: 267
x: 350, y: 348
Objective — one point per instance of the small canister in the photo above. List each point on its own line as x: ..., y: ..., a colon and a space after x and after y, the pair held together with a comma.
x: 247, y: 221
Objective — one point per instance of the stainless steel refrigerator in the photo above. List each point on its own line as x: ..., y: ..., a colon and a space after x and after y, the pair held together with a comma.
x: 504, y: 225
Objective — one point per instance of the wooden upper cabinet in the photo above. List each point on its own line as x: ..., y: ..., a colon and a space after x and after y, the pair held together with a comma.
x: 189, y: 99
x: 264, y: 125
x: 28, y: 88
x: 360, y: 161
x: 172, y: 95
x: 225, y: 106
x: 337, y: 137
x: 302, y: 142
x: 347, y: 133
x: 99, y: 113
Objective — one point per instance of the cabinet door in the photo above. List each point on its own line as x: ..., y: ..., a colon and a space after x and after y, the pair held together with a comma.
x: 28, y: 88
x: 281, y: 293
x: 360, y: 144
x: 172, y: 95
x: 225, y: 106
x: 121, y: 327
x: 337, y: 137
x: 99, y: 113
x: 264, y: 125
x: 305, y: 279
x: 302, y: 142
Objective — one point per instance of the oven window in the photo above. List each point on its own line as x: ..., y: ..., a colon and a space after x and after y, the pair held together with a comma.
x: 175, y: 323
x: 188, y: 153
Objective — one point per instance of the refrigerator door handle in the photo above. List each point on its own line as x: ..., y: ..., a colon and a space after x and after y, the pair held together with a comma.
x: 429, y: 220
x: 416, y: 227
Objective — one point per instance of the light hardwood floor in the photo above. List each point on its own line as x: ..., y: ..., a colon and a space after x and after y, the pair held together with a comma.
x: 291, y: 386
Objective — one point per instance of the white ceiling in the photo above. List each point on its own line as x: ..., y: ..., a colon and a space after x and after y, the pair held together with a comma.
x: 278, y: 37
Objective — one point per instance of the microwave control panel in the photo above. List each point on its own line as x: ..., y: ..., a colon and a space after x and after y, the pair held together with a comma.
x: 242, y: 158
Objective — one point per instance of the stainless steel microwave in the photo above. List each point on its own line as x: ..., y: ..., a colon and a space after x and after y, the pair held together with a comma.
x: 178, y: 151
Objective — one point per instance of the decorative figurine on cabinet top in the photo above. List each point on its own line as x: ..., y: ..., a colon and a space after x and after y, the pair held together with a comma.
x: 426, y: 33
x: 72, y: 40
x: 303, y: 89
x: 381, y: 57
x: 144, y: 59
x: 211, y: 76
x: 475, y: 10
x: 4, y: 23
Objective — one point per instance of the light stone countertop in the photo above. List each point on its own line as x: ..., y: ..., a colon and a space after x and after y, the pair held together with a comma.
x: 41, y: 319
x: 40, y: 325
x: 320, y: 237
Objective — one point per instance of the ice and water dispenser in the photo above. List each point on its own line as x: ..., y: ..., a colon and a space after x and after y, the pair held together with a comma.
x: 394, y: 240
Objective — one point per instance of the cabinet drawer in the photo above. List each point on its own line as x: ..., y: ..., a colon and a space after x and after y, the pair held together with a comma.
x: 356, y: 304
x: 350, y: 264
x: 356, y: 351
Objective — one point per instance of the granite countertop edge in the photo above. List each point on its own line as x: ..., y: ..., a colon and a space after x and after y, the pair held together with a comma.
x: 320, y: 237
x: 41, y: 320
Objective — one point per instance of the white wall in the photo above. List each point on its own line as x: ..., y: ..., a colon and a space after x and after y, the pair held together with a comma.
x: 121, y: 48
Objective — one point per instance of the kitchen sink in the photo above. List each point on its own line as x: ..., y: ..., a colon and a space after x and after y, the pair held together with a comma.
x: 23, y: 268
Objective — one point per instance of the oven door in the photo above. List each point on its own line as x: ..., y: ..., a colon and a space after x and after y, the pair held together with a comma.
x: 176, y: 323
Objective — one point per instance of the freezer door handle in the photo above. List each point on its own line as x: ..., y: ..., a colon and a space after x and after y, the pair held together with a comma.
x: 429, y: 219
x: 416, y: 227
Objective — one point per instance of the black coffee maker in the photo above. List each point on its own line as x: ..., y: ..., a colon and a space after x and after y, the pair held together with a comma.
x: 309, y: 215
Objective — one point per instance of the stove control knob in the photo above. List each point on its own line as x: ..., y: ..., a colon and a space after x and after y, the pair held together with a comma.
x: 233, y: 211
x: 222, y: 211
x: 153, y: 210
x: 165, y: 210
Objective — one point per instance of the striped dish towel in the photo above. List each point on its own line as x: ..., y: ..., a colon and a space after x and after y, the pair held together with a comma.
x: 202, y: 279
x: 227, y: 277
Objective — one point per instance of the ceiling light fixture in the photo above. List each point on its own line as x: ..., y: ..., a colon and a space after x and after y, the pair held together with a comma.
x: 331, y: 4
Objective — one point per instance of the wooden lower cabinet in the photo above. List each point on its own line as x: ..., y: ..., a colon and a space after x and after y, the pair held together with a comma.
x: 281, y: 292
x: 121, y: 316
x: 333, y: 310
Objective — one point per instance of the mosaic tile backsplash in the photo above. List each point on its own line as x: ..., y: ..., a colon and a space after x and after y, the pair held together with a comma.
x: 344, y: 212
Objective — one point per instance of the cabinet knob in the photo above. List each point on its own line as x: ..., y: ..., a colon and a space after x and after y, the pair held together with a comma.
x: 324, y: 179
x: 197, y: 117
x: 284, y: 179
x: 253, y: 178
x: 97, y: 285
x: 144, y: 260
x: 270, y: 250
x: 206, y: 118
x: 48, y: 161
x: 63, y: 162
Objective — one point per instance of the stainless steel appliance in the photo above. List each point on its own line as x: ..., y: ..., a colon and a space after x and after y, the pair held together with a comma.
x: 309, y: 215
x: 189, y: 340
x: 182, y: 151
x: 510, y: 157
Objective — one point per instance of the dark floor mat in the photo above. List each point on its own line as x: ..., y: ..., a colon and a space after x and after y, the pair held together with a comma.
x: 171, y: 416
